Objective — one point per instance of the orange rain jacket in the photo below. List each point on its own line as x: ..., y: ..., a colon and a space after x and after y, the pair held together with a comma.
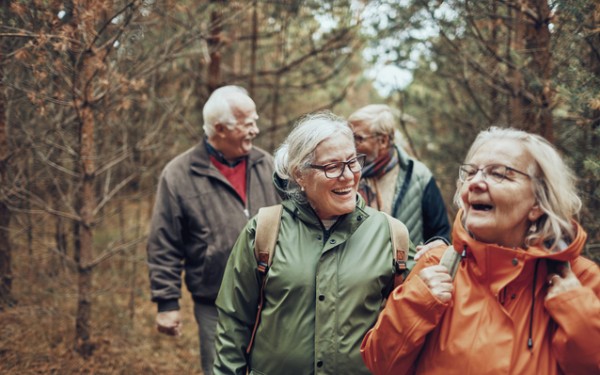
x: 486, y: 327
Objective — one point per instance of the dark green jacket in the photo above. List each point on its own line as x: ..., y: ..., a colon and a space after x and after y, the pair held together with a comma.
x: 323, y: 292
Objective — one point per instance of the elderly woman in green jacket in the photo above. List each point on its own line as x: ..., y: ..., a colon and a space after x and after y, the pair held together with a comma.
x: 331, y: 269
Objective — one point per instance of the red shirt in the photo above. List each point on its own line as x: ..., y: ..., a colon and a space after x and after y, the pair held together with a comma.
x: 236, y: 175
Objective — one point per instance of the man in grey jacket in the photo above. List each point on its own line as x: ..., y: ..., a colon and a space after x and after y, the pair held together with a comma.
x: 205, y: 197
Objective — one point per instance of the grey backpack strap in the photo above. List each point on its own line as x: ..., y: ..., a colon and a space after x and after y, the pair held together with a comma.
x: 451, y: 260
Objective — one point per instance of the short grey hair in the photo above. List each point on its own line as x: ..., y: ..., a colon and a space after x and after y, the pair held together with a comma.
x: 217, y: 109
x: 554, y: 185
x: 298, y: 150
x: 380, y: 118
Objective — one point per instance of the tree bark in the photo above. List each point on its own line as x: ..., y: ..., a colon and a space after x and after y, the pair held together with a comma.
x: 253, y: 47
x: 532, y: 98
x: 5, y: 244
x: 84, y: 280
x: 516, y: 116
x: 214, y: 47
x: 537, y: 37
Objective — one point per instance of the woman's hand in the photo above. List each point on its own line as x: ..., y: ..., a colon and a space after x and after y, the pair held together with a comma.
x: 438, y: 280
x: 422, y: 249
x: 561, y: 282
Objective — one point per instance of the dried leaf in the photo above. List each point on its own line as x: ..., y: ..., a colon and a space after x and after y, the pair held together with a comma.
x: 595, y: 104
x: 22, y: 54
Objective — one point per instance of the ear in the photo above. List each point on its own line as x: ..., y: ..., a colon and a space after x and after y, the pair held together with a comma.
x: 385, y: 140
x: 299, y: 179
x: 219, y: 129
x: 535, y: 213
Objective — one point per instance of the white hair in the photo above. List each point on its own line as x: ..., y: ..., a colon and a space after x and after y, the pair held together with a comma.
x: 298, y: 150
x: 380, y: 119
x: 553, y: 184
x: 217, y: 109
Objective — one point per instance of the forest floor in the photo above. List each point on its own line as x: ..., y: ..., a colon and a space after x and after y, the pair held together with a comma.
x: 37, y: 334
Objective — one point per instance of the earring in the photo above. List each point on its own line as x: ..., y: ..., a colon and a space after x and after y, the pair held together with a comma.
x: 532, y: 228
x: 301, y: 188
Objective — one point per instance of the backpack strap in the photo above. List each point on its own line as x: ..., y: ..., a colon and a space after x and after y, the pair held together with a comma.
x: 267, y: 231
x: 399, y: 236
x: 451, y: 260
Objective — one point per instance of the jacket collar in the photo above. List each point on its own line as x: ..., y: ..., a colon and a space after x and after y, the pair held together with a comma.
x: 403, y: 157
x: 346, y: 224
x: 200, y: 160
x: 498, y: 265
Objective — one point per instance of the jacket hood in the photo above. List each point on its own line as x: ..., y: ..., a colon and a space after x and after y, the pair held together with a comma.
x: 281, y: 185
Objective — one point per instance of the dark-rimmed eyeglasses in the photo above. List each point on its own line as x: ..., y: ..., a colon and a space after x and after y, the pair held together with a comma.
x: 494, y: 172
x: 336, y: 169
x: 361, y: 138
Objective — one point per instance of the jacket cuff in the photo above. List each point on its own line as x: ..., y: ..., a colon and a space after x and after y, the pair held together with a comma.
x: 167, y: 305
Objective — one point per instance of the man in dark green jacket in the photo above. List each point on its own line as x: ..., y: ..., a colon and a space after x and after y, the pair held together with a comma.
x: 205, y: 197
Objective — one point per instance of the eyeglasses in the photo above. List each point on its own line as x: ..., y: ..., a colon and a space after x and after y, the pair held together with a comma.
x: 496, y: 172
x: 361, y: 139
x: 335, y: 170
x: 249, y: 124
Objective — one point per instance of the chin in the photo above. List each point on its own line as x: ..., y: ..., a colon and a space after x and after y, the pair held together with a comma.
x: 346, y: 210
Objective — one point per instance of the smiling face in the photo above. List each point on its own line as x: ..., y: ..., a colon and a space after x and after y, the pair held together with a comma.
x: 331, y: 197
x: 500, y: 213
x: 372, y: 145
x: 237, y: 141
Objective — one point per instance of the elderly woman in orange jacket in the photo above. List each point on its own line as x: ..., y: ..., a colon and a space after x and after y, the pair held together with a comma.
x: 523, y: 300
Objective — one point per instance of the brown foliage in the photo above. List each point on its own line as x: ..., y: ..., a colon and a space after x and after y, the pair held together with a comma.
x: 36, y: 335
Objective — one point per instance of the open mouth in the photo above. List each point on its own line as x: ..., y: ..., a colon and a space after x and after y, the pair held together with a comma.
x: 481, y: 207
x: 345, y: 191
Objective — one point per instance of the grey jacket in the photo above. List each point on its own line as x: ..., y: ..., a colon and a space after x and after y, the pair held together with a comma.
x: 196, y: 220
x: 418, y: 202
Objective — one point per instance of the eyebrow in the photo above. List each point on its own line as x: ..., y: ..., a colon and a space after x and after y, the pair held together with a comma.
x: 335, y: 160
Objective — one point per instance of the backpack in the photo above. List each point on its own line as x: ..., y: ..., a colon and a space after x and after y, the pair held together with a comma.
x: 267, y: 230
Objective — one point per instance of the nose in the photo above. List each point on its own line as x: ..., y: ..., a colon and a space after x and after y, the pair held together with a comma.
x: 478, y: 181
x: 254, y: 130
x: 346, y: 172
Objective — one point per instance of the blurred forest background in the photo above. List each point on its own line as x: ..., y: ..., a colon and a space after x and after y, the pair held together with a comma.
x: 97, y: 96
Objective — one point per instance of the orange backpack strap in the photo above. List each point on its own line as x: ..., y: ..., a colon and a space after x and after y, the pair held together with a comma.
x: 400, y: 242
x: 267, y: 230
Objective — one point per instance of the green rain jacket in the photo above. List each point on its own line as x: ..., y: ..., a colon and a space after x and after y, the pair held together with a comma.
x: 323, y: 293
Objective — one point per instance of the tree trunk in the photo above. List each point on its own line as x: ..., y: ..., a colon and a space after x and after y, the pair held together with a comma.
x: 253, y: 47
x: 496, y: 108
x: 281, y: 54
x: 83, y: 342
x: 531, y: 104
x: 5, y: 244
x: 214, y: 47
x: 6, y: 298
x: 516, y: 116
x: 537, y: 39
